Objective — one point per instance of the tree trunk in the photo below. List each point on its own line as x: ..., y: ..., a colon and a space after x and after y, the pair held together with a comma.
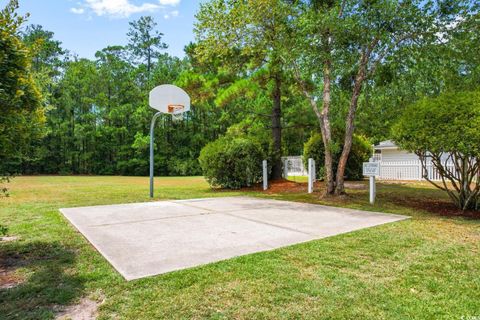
x: 277, y: 129
x: 323, y: 119
x: 350, y: 126
x: 326, y: 129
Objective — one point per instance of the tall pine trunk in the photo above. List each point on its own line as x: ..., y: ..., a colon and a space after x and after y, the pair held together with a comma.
x: 277, y: 128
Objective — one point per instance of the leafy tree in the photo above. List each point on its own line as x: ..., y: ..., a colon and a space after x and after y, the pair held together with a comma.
x: 337, y: 48
x: 248, y: 37
x: 47, y: 53
x: 450, y: 63
x: 445, y: 131
x: 145, y: 42
x: 22, y: 114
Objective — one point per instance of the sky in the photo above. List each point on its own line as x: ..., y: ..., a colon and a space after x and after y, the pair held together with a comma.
x: 87, y: 26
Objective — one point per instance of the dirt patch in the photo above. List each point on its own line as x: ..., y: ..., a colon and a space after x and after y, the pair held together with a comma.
x: 8, y: 278
x: 86, y: 309
x: 9, y: 239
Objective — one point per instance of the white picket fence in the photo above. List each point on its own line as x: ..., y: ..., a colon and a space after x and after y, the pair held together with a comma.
x: 389, y: 170
x: 409, y: 170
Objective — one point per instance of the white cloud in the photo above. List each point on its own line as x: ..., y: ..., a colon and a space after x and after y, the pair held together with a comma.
x: 169, y: 2
x: 121, y: 8
x: 77, y: 10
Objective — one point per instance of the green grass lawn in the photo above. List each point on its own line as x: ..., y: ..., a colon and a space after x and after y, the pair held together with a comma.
x: 427, y: 267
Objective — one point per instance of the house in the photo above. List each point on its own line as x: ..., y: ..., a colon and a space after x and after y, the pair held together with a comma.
x: 388, y: 151
x: 398, y: 164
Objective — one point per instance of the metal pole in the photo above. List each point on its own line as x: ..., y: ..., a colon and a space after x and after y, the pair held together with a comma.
x: 152, y: 128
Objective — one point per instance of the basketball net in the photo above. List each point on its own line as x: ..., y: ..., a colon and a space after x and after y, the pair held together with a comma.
x: 176, y: 111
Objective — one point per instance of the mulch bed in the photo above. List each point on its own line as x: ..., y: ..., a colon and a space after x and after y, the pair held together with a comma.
x: 286, y: 186
x: 279, y: 186
x: 439, y: 207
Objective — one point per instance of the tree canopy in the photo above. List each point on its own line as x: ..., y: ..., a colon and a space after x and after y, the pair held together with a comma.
x: 21, y: 102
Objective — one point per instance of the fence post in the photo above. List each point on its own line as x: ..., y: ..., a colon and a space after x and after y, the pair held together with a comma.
x: 265, y: 175
x: 285, y: 169
x: 311, y: 174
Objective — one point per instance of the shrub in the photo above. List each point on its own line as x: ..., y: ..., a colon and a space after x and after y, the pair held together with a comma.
x: 314, y: 149
x: 184, y: 167
x: 4, y: 179
x: 443, y: 130
x: 361, y: 151
x: 232, y: 162
x: 3, y: 230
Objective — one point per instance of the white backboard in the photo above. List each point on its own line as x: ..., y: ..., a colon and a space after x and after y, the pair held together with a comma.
x: 166, y: 97
x: 371, y: 169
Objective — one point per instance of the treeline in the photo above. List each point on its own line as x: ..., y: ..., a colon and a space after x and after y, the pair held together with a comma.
x: 278, y: 72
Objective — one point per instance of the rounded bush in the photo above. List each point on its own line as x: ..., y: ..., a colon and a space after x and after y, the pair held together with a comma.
x: 232, y: 163
x: 361, y: 151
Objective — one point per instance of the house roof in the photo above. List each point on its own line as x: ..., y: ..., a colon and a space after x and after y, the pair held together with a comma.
x: 387, y: 144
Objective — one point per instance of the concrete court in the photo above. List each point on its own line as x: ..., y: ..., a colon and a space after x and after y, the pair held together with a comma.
x: 145, y: 239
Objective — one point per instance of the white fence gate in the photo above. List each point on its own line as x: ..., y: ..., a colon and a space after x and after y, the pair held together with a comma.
x: 294, y: 166
x: 409, y: 170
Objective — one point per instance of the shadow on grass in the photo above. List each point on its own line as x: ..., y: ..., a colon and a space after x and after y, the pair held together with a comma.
x: 47, y: 279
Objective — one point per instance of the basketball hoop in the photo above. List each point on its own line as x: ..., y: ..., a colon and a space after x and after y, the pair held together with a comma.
x: 167, y: 99
x: 177, y: 112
